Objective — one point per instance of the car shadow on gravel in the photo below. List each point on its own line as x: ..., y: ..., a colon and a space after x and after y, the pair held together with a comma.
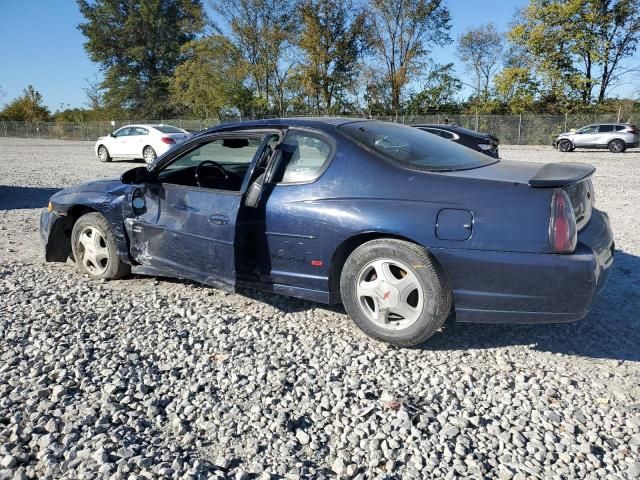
x: 610, y: 331
x: 14, y: 198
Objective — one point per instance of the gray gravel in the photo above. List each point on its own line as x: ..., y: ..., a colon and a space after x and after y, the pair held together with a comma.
x: 150, y: 378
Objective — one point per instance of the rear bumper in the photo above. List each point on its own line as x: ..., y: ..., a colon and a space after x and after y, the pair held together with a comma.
x: 508, y: 287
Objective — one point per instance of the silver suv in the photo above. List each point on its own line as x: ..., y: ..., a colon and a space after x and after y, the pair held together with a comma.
x: 617, y: 137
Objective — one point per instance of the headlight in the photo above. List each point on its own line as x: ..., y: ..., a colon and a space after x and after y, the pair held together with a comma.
x: 484, y: 146
x: 50, y: 207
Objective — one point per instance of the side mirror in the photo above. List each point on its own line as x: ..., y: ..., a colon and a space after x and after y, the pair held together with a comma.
x: 255, y: 192
x: 138, y: 175
x: 112, y: 135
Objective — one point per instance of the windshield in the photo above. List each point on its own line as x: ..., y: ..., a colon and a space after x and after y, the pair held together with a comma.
x: 168, y: 129
x: 414, y: 148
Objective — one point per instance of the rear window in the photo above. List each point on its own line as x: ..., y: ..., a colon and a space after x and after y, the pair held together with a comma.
x: 168, y: 129
x: 413, y: 147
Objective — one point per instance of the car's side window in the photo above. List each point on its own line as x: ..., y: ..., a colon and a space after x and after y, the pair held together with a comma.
x: 123, y: 132
x: 304, y: 155
x: 605, y: 128
x: 589, y: 129
x: 619, y: 128
x: 141, y: 131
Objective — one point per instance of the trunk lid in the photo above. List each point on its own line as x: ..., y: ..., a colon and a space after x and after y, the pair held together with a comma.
x: 178, y: 137
x: 574, y: 178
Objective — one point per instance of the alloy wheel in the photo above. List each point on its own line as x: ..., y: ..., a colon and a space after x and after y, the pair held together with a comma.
x: 92, y: 247
x: 149, y: 155
x: 565, y: 146
x: 389, y: 294
x: 616, y: 146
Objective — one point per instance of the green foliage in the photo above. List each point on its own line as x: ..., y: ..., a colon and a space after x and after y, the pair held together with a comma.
x: 332, y: 42
x: 264, y: 32
x: 516, y: 87
x: 209, y: 82
x: 481, y: 50
x: 438, y: 92
x: 403, y: 33
x: 28, y: 107
x: 138, y: 45
x: 578, y: 45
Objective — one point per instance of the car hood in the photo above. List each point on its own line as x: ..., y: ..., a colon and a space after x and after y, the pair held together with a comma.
x: 565, y: 134
x: 112, y: 186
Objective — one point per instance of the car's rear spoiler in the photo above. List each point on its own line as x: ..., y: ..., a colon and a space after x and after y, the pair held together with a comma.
x: 561, y: 174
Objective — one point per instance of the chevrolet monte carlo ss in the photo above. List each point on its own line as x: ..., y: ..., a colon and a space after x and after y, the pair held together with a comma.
x: 402, y: 227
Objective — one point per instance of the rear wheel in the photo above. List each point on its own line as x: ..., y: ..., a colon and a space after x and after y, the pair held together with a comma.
x: 149, y: 154
x: 94, y: 248
x: 617, y: 146
x: 395, y: 292
x: 565, y: 146
x: 103, y: 154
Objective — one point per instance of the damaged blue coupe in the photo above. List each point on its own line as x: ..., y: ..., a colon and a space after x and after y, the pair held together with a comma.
x: 402, y: 227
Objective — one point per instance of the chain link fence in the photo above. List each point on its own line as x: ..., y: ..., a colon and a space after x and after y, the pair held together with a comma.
x: 525, y: 129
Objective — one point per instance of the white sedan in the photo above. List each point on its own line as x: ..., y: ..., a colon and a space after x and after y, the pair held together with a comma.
x: 139, y: 141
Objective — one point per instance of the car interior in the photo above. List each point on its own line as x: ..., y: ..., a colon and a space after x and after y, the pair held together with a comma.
x: 220, y: 164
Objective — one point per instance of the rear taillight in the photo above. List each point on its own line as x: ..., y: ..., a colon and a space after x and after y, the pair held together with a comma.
x: 563, y: 234
x: 168, y: 140
x: 631, y: 129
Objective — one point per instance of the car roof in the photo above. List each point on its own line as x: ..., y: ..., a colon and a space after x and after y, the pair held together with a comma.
x: 322, y: 123
x: 454, y: 128
x: 149, y: 125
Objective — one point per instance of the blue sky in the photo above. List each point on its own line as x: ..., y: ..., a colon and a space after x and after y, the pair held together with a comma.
x: 40, y: 45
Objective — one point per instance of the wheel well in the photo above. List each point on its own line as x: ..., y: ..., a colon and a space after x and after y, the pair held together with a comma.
x: 61, y: 234
x: 346, y: 248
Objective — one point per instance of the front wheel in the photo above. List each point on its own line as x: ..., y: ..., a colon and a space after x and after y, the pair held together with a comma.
x: 103, y: 154
x: 395, y: 292
x: 94, y: 248
x: 565, y: 146
x: 149, y: 155
x: 617, y: 146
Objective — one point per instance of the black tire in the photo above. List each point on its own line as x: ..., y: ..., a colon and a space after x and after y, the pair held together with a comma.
x: 436, y: 291
x: 103, y: 154
x: 111, y: 268
x: 149, y: 154
x: 617, y: 146
x: 565, y: 146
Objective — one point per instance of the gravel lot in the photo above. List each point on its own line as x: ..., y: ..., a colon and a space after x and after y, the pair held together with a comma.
x: 149, y: 378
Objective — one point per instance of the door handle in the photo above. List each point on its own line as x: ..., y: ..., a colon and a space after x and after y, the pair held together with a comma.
x: 218, y: 219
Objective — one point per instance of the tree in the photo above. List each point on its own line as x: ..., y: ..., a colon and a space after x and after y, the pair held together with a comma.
x: 333, y: 40
x: 517, y: 88
x: 210, y: 80
x: 263, y: 31
x: 438, y: 91
x: 27, y: 108
x: 579, y: 45
x: 404, y: 31
x: 481, y: 50
x: 137, y: 43
x: 95, y: 94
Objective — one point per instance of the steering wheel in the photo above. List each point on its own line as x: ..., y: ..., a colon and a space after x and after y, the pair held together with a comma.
x: 210, y: 163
